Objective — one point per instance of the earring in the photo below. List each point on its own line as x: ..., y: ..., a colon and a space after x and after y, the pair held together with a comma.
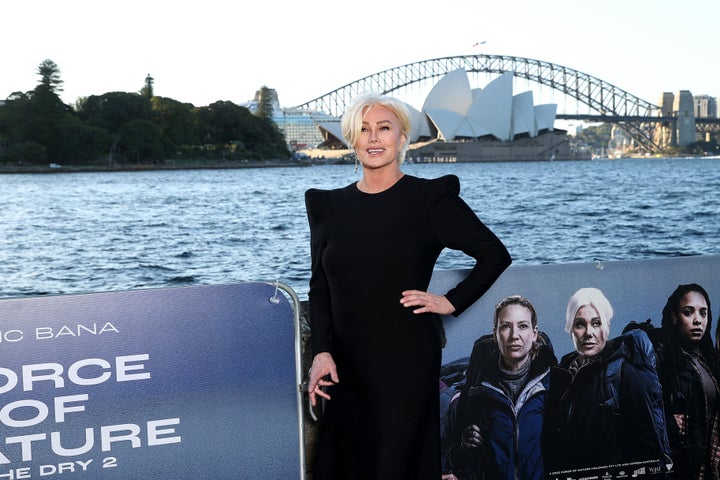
x: 356, y: 162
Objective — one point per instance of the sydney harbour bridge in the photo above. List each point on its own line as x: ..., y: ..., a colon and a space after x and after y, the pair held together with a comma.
x: 605, y: 102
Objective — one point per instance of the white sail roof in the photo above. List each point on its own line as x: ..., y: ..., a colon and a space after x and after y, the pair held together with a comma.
x: 458, y: 112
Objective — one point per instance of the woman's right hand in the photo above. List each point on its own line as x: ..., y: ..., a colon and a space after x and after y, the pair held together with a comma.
x: 471, y: 439
x: 322, y: 365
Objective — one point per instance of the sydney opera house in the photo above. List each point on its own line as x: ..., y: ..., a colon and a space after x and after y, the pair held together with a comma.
x: 458, y: 123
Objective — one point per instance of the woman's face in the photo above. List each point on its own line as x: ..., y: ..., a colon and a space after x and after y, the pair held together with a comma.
x: 380, y: 138
x: 515, y: 334
x: 691, y: 316
x: 588, y: 332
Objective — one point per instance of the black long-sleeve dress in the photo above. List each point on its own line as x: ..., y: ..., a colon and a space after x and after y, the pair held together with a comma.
x: 383, y: 420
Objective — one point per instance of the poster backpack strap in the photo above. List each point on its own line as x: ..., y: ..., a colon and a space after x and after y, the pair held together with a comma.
x: 613, y: 373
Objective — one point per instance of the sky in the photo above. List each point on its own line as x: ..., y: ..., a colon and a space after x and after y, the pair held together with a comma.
x: 200, y: 52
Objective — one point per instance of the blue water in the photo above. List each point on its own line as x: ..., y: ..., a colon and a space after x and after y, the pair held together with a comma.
x: 91, y: 232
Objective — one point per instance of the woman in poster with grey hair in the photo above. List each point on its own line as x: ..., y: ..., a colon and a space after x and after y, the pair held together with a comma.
x: 604, y: 410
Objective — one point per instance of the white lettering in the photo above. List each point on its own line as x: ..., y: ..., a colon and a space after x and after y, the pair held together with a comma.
x: 123, y: 367
x: 60, y: 408
x: 11, y: 336
x: 30, y: 375
x: 11, y: 380
x: 18, y: 473
x: 26, y: 444
x: 107, y: 439
x: 155, y: 431
x: 108, y: 436
x: 94, y: 372
x: 40, y: 408
x: 69, y: 452
x: 48, y: 333
x: 74, y: 375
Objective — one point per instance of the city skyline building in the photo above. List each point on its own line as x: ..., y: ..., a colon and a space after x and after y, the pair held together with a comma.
x: 300, y: 126
x: 705, y: 106
x: 455, y: 112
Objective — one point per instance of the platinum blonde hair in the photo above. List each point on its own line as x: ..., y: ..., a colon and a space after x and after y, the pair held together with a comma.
x: 351, y: 123
x: 596, y: 299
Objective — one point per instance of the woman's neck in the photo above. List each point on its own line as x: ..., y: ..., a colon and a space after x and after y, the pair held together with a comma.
x: 379, y: 181
x: 514, y: 366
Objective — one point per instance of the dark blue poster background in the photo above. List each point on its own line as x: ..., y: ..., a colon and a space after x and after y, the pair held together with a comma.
x: 184, y: 383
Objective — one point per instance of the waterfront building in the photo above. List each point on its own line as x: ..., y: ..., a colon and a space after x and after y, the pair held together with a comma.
x: 705, y: 106
x: 300, y: 126
x: 680, y: 105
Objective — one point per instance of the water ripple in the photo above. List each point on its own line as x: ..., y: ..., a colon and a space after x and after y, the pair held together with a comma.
x: 71, y: 233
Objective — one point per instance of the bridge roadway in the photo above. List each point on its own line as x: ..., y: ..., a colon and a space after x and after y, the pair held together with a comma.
x: 636, y: 116
x: 631, y: 118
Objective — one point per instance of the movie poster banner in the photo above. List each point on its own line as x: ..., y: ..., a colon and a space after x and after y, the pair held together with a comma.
x: 479, y: 422
x: 182, y: 383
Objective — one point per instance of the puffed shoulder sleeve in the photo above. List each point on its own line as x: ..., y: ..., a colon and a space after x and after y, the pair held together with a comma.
x: 459, y: 228
x: 317, y: 205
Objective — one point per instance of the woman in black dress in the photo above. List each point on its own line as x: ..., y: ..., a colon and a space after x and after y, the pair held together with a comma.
x: 375, y: 335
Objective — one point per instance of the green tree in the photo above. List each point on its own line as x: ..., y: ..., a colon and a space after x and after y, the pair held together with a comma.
x: 50, y: 76
x: 274, y: 143
x: 85, y: 145
x: 112, y: 110
x: 266, y: 103
x: 141, y: 140
x: 596, y: 137
x: 24, y: 153
x: 147, y: 90
x: 224, y: 123
x: 37, y: 127
x: 36, y: 117
x: 176, y: 121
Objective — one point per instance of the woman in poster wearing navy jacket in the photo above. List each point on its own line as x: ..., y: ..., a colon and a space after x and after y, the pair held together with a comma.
x: 498, y: 421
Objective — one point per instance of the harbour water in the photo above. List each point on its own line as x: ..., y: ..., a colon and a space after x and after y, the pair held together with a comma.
x: 91, y: 232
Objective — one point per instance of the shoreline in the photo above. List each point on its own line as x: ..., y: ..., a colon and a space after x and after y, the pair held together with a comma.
x: 328, y: 160
x: 147, y: 168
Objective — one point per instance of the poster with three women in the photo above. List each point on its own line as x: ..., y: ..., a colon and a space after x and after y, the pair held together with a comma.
x: 604, y: 370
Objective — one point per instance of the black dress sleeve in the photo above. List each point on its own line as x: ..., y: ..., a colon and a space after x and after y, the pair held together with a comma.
x: 459, y: 228
x: 317, y: 204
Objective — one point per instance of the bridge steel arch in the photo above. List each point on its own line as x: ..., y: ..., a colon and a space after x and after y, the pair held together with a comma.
x: 600, y: 96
